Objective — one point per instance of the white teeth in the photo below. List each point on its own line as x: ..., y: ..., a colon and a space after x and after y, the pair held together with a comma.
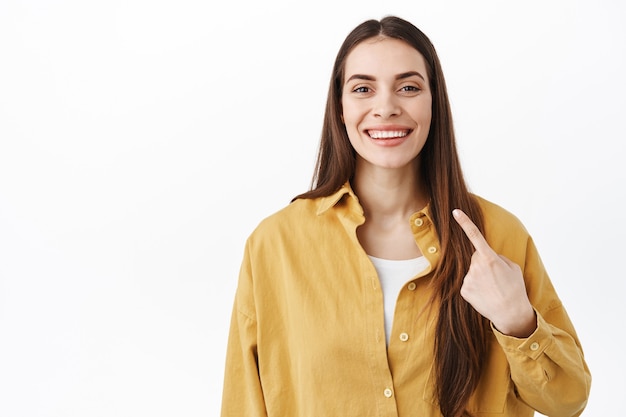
x: 387, y: 134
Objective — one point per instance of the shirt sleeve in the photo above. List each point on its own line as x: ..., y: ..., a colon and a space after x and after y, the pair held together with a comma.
x: 242, y: 393
x: 548, y: 368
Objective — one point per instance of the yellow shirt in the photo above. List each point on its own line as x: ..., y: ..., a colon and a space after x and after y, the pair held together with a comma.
x: 307, y: 335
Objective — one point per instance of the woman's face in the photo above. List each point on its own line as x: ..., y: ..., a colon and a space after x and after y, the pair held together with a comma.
x: 387, y: 103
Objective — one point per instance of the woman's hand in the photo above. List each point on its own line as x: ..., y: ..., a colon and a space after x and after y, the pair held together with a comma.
x: 494, y: 285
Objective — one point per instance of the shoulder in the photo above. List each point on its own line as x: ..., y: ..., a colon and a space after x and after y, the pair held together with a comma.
x: 497, y: 216
x: 501, y: 227
x: 287, y: 220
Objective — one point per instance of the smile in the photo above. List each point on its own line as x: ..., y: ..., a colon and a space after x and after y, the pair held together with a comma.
x: 387, y: 134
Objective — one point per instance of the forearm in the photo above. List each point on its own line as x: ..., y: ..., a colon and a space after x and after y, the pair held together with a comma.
x: 548, y: 369
x: 242, y: 393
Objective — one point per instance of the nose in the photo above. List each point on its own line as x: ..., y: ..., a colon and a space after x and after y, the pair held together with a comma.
x: 386, y: 106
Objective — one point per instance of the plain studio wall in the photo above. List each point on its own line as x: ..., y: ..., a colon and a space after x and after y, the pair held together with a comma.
x: 142, y: 141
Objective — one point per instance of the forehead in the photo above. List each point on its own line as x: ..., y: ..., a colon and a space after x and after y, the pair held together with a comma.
x: 384, y: 56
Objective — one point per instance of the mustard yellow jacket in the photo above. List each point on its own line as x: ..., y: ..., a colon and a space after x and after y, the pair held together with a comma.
x: 307, y: 331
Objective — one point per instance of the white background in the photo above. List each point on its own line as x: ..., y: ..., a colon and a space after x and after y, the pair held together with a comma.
x: 142, y: 141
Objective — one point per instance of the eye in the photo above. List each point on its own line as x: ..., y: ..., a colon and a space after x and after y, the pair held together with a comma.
x: 361, y: 89
x: 410, y: 89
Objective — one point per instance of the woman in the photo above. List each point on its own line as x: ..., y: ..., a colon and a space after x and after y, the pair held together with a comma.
x: 388, y: 289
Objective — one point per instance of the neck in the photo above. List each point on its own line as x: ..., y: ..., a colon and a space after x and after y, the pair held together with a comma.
x: 390, y: 193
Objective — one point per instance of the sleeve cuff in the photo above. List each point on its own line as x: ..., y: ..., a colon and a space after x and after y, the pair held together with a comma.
x: 533, y: 346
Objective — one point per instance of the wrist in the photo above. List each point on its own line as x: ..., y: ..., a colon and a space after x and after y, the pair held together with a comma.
x: 522, y: 326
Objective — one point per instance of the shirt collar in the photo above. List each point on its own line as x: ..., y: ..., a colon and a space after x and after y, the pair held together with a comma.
x: 330, y: 201
x: 327, y: 202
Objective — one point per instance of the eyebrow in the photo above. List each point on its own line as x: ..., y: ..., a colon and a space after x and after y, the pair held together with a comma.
x: 402, y: 76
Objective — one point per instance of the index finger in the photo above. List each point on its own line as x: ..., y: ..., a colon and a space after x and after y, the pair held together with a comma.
x: 471, y: 231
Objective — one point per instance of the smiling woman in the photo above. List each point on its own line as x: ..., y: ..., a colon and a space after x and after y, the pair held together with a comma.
x: 388, y: 288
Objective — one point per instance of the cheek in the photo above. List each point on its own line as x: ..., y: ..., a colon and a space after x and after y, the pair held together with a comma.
x: 351, y: 125
x: 423, y: 113
x: 348, y: 122
x: 428, y: 109
x: 351, y: 117
x: 428, y: 117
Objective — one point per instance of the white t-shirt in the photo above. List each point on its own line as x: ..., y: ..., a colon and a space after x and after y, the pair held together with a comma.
x: 393, y: 274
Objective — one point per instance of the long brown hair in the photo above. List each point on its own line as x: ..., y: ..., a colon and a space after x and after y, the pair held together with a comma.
x: 461, y: 332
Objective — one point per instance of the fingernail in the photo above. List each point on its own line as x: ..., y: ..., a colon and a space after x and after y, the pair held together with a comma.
x: 456, y: 213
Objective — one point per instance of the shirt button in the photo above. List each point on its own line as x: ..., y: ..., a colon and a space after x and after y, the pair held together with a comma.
x: 418, y: 222
x: 388, y: 393
x: 432, y: 249
x: 534, y: 346
x: 412, y: 286
x: 404, y: 337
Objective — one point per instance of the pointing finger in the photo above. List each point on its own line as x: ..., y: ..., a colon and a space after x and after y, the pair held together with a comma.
x: 471, y: 231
